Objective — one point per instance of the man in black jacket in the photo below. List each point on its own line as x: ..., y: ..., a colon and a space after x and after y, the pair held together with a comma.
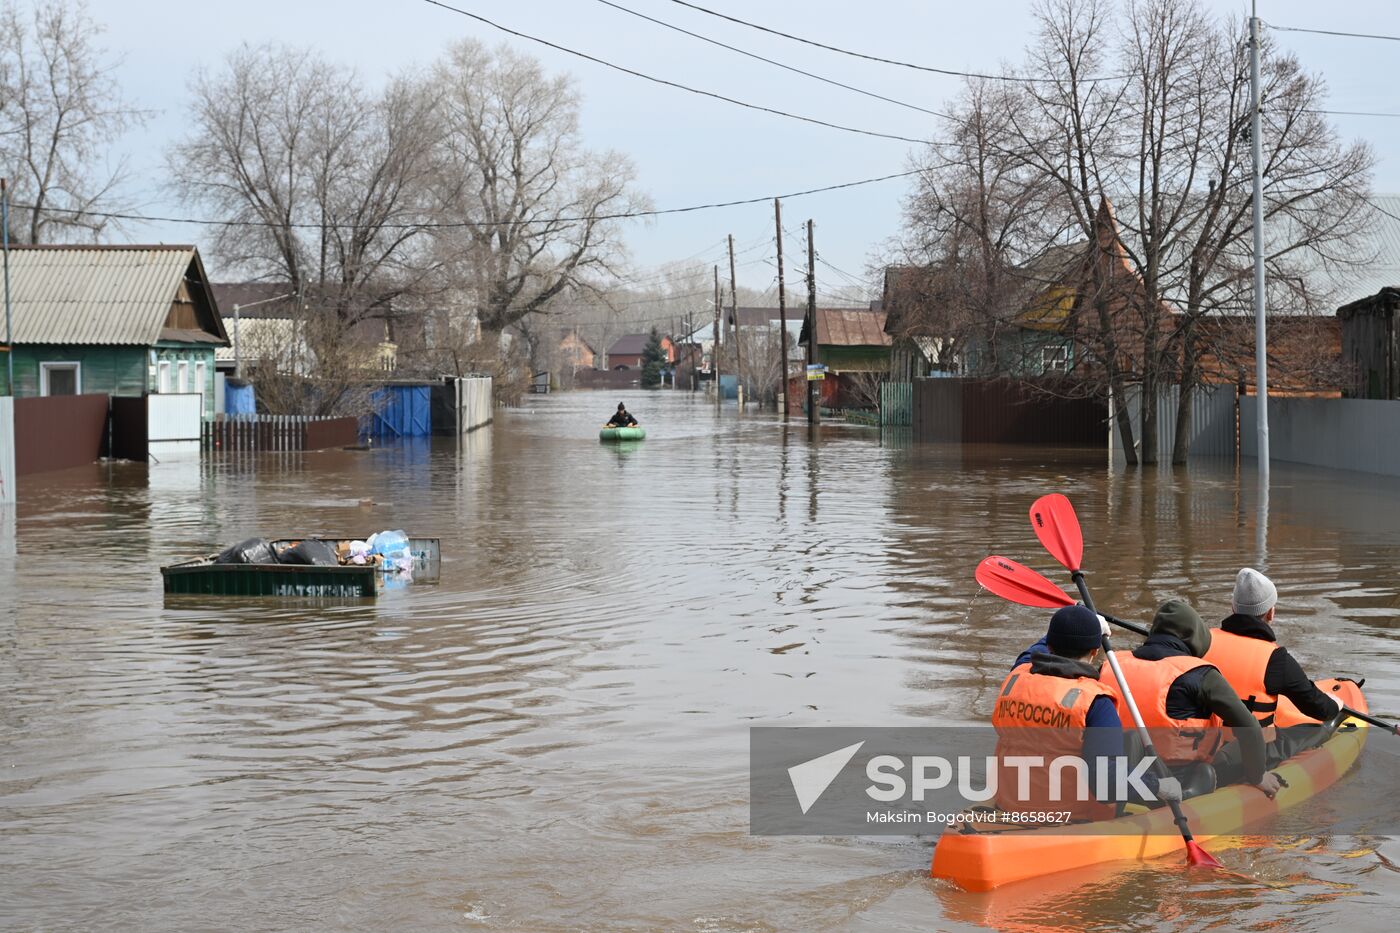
x: 1200, y: 693
x: 1245, y: 650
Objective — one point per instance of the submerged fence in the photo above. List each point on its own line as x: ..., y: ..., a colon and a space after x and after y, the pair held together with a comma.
x: 896, y: 403
x: 279, y: 432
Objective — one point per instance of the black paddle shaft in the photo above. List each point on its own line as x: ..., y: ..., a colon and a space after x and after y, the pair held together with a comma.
x: 1160, y: 766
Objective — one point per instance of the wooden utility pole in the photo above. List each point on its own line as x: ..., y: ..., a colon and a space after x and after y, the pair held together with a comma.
x: 734, y: 311
x: 812, y: 394
x: 782, y: 308
x: 714, y: 352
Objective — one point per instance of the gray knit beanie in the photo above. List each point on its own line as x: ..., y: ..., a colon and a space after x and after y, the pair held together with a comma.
x: 1255, y: 594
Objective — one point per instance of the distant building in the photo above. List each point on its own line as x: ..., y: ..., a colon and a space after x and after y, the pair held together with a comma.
x: 113, y: 320
x: 854, y: 347
x: 626, y: 351
x: 269, y: 328
x: 574, y: 351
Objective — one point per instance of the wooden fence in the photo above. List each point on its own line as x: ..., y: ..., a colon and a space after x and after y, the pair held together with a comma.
x: 279, y: 432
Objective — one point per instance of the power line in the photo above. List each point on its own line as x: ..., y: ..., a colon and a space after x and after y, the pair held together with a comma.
x: 1333, y: 32
x: 427, y: 225
x: 1354, y: 113
x: 753, y: 55
x: 674, y: 84
x: 876, y: 58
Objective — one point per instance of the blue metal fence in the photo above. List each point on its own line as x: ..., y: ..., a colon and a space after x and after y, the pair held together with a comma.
x: 401, y: 411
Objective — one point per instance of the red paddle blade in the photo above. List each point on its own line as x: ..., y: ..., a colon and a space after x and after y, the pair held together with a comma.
x: 1057, y: 527
x: 1198, y: 857
x: 1010, y: 580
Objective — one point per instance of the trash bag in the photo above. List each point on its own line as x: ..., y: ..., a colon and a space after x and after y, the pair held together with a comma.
x: 251, y: 551
x: 317, y: 553
x: 390, y: 543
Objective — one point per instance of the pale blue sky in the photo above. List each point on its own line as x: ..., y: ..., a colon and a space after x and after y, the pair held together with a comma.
x: 690, y: 150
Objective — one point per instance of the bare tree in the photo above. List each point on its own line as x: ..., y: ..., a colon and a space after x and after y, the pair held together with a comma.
x: 1142, y: 105
x: 60, y: 109
x: 324, y: 182
x: 532, y: 203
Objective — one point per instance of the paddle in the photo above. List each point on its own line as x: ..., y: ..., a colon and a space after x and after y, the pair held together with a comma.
x: 1381, y: 723
x: 1057, y: 527
x: 1020, y: 584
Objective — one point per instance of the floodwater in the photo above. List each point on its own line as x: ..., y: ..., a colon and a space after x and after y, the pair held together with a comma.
x: 555, y: 736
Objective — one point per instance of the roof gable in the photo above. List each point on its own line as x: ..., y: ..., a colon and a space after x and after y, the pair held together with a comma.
x: 103, y: 295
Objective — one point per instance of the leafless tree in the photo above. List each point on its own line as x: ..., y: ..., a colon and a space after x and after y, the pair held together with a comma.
x: 1145, y: 104
x: 325, y: 183
x: 532, y: 203
x: 60, y: 109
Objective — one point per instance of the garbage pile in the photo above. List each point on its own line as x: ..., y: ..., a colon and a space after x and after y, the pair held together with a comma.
x: 387, y: 550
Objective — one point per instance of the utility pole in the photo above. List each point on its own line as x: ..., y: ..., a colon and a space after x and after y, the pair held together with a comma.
x: 9, y: 325
x: 1261, y: 344
x: 734, y: 311
x: 714, y: 352
x: 813, y: 415
x: 782, y: 307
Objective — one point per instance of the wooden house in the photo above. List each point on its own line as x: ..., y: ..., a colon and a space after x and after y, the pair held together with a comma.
x: 113, y: 320
x: 626, y: 351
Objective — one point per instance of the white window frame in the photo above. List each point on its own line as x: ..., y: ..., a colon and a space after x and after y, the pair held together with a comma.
x: 163, y: 374
x: 201, y: 373
x: 1054, y: 358
x: 182, y: 380
x: 46, y: 368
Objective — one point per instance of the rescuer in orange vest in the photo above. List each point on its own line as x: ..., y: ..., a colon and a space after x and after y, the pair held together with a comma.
x: 1185, y: 701
x: 1243, y: 648
x: 1055, y: 706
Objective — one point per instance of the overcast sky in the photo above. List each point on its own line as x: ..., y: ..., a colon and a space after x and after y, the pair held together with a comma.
x: 691, y: 150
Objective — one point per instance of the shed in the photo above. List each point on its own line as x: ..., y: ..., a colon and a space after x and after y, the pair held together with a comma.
x: 113, y: 320
x: 1371, y: 344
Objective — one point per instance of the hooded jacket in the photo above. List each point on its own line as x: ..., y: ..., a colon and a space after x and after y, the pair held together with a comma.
x: 1178, y: 630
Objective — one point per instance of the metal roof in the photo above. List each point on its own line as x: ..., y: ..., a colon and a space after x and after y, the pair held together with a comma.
x: 1380, y: 251
x: 851, y: 327
x: 96, y: 295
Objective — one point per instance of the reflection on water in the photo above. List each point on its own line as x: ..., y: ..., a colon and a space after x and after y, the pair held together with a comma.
x: 554, y: 736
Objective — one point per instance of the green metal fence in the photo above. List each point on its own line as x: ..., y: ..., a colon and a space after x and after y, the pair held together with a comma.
x: 896, y: 403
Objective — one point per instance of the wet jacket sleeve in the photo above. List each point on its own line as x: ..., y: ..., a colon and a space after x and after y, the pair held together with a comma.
x: 1222, y: 700
x: 1040, y: 647
x: 1284, y: 676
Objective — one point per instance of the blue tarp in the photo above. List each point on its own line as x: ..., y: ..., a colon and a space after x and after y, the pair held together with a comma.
x: 239, y: 400
x: 728, y: 386
x: 401, y: 411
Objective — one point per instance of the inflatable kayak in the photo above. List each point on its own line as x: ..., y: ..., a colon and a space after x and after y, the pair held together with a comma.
x: 622, y: 434
x: 980, y: 860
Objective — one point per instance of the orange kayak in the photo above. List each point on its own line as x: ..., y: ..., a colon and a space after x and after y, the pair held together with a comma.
x: 981, y: 861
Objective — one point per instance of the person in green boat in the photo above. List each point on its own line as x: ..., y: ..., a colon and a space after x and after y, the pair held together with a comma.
x: 622, y: 418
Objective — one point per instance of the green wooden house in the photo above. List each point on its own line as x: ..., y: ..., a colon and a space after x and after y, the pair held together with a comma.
x: 113, y: 320
x: 850, y: 340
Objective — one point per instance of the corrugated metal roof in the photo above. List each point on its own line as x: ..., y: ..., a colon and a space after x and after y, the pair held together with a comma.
x: 851, y: 327
x: 1381, y: 252
x: 94, y: 294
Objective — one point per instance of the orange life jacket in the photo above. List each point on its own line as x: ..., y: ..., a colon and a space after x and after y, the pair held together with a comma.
x: 1044, y: 716
x: 1178, y: 741
x: 1243, y: 660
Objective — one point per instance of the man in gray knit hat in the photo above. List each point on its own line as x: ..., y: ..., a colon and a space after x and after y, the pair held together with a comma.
x: 1246, y: 651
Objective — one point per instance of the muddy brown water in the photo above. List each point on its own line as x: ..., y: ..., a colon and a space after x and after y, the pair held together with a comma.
x: 555, y: 736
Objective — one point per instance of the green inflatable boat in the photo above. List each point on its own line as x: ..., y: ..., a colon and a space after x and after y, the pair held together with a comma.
x: 622, y: 434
